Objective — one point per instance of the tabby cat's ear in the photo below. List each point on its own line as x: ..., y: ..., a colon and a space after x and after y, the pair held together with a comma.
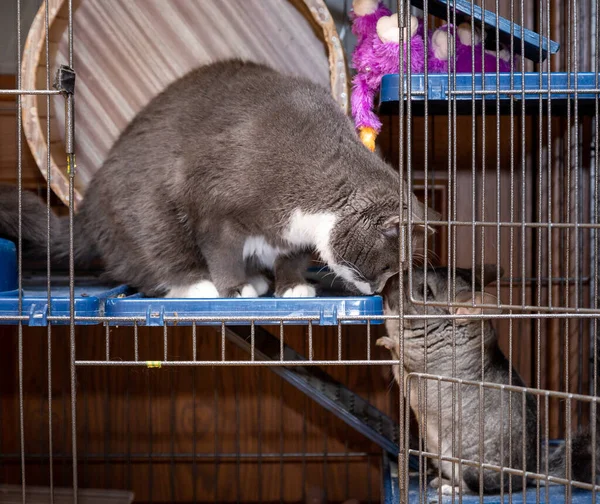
x: 391, y: 227
x: 485, y: 299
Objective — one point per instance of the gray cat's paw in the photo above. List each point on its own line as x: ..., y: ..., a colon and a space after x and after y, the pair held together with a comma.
x: 299, y: 291
x: 260, y: 284
x: 201, y: 290
x: 241, y: 291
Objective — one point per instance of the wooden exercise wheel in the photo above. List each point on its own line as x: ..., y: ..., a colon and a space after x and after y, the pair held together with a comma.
x: 127, y: 51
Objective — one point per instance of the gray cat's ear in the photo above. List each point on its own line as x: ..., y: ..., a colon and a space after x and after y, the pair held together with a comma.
x: 489, y: 274
x: 391, y: 227
x: 486, y: 299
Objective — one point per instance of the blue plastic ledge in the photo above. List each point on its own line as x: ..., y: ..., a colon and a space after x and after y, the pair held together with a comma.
x: 506, y: 29
x: 89, y: 302
x: 438, y: 88
x: 93, y: 299
x: 391, y: 492
x: 324, y: 310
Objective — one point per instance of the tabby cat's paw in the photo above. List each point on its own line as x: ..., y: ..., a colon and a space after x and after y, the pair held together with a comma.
x: 448, y: 488
x: 299, y: 291
x: 387, y: 342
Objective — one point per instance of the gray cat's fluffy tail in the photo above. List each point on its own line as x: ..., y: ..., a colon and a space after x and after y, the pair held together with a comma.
x: 34, y: 231
x: 582, y: 446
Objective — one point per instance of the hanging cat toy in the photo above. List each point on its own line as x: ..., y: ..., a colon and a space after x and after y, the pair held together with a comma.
x: 376, y: 54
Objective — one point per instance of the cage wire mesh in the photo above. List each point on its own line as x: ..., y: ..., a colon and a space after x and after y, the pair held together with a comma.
x: 201, y: 409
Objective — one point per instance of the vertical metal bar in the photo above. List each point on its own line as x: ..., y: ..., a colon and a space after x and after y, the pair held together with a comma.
x: 19, y: 252
x: 172, y: 422
x: 238, y: 461
x: 567, y: 249
x: 347, y: 428
x: 304, y: 435
x: 136, y: 348
x: 482, y: 245
x: 165, y: 343
x: 524, y: 442
x: 194, y: 342
x: 107, y: 340
x: 48, y: 252
x: 310, y: 340
x: 402, y: 456
x: 70, y: 148
x: 339, y: 341
x: 594, y: 338
x: 547, y: 439
x: 523, y: 167
x: 223, y: 341
x: 128, y: 428
x: 259, y: 393
x: 194, y: 435
x: 86, y: 437
x: 578, y: 326
x: 540, y: 183
x: 150, y: 437
x: 252, y: 340
x: 511, y: 230
x: 439, y: 443
x: 107, y: 428
x: 426, y: 141
x: 281, y: 443
x: 502, y: 465
x: 215, y: 374
x: 281, y: 341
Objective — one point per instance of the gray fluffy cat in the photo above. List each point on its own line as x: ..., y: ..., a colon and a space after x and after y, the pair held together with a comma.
x: 468, y: 362
x: 229, y: 179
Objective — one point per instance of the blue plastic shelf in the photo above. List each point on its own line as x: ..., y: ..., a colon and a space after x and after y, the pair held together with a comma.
x: 562, y: 86
x: 391, y: 491
x: 8, y: 266
x: 89, y: 302
x: 324, y: 310
x: 92, y: 299
x: 506, y: 29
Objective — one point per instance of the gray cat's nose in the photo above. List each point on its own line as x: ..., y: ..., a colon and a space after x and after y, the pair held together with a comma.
x: 378, y: 285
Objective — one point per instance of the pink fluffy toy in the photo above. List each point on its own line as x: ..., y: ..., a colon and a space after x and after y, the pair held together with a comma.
x: 466, y: 46
x: 376, y: 55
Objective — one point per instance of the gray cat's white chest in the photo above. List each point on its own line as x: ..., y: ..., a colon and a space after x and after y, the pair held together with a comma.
x: 262, y: 251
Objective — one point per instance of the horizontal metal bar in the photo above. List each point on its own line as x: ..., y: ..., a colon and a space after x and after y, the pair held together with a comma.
x: 225, y: 363
x: 186, y: 457
x: 545, y: 313
x: 517, y: 92
x: 507, y: 388
x: 506, y: 470
x: 503, y: 224
x: 17, y: 92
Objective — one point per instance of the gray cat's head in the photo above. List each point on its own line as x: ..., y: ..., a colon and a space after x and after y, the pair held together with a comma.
x: 366, y: 238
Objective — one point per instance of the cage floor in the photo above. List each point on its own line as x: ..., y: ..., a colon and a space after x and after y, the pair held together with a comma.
x: 561, y: 87
x: 554, y: 494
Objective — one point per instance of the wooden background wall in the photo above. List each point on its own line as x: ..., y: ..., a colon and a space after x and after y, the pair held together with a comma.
x: 128, y: 416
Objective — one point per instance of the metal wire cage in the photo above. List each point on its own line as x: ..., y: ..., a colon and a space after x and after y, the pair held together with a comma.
x: 177, y: 405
